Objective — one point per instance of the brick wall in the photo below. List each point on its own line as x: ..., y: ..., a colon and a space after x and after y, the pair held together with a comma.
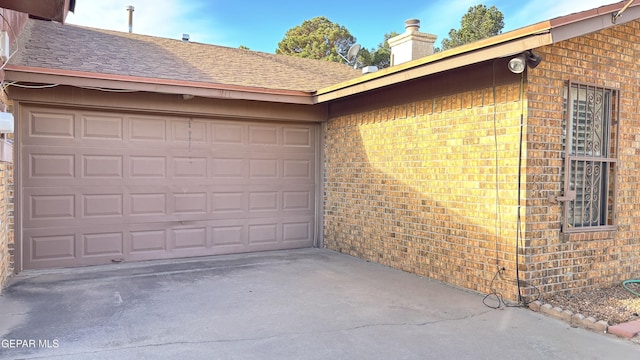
x: 12, y: 23
x: 560, y: 262
x: 410, y: 175
x: 6, y: 221
x: 413, y: 185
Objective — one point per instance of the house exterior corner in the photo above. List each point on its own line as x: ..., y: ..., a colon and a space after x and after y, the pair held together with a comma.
x: 565, y: 256
x: 424, y: 177
x: 436, y: 176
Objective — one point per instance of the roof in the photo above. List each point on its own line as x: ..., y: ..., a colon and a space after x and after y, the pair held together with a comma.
x: 503, y: 45
x: 54, y: 54
x: 51, y: 48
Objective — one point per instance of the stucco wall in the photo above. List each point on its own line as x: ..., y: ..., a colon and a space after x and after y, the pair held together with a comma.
x: 560, y: 262
x: 413, y: 185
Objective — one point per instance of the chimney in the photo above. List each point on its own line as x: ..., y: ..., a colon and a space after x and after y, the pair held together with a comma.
x: 185, y: 37
x: 412, y: 44
x: 130, y: 9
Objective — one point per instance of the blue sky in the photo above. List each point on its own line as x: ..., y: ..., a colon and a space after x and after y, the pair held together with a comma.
x: 260, y: 25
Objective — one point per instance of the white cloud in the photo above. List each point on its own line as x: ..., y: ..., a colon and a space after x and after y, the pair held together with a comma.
x: 166, y: 18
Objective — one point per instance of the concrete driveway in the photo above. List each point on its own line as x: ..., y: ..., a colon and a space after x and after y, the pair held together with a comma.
x: 302, y: 304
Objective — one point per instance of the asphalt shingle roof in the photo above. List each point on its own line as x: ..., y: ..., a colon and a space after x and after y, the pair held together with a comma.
x: 45, y: 44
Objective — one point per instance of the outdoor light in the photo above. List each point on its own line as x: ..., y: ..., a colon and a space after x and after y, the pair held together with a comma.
x: 519, y: 63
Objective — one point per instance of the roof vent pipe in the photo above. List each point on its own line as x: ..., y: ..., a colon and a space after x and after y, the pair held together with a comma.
x: 130, y: 9
x: 185, y: 37
x: 412, y: 25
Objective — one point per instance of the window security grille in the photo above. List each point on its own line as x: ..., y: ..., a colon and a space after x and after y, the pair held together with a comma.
x: 590, y: 145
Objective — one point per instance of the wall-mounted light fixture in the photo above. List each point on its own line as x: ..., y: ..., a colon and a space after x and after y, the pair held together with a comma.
x: 520, y: 62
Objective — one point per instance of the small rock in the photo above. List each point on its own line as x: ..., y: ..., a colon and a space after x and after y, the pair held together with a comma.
x: 546, y: 309
x: 535, y: 305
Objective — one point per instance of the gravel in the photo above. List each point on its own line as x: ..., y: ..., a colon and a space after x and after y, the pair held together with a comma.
x: 614, y: 305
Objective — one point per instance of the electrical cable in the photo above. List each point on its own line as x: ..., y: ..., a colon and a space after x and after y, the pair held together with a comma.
x: 518, y: 216
x: 498, y: 222
x: 16, y: 84
x: 108, y: 90
x: 499, y: 301
x: 15, y: 38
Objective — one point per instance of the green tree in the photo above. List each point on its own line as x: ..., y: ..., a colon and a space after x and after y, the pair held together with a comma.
x: 380, y: 57
x: 317, y: 38
x: 478, y: 23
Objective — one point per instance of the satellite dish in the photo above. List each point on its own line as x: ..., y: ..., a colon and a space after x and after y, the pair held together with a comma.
x: 352, y: 55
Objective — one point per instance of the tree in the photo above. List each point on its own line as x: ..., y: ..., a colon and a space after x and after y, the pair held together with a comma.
x: 317, y: 38
x: 478, y: 23
x: 380, y: 57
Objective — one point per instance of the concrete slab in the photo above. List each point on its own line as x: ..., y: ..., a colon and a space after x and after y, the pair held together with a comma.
x: 303, y: 304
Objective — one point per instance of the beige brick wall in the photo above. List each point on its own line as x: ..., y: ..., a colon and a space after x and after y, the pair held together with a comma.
x: 413, y: 186
x: 583, y: 260
x: 411, y: 182
x: 6, y: 221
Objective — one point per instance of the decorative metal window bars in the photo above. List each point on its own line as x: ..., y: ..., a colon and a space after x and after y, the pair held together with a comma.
x: 590, y: 145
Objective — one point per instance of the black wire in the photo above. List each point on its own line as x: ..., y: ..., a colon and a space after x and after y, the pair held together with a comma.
x: 518, y: 217
x: 499, y: 299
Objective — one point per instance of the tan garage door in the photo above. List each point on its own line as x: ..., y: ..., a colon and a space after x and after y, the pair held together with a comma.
x: 98, y: 187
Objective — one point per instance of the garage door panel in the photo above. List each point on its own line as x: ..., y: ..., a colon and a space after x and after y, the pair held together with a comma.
x: 189, y: 238
x: 232, y: 201
x: 148, y: 204
x: 51, y: 207
x: 108, y: 186
x: 263, y: 233
x: 51, y: 166
x: 102, y: 166
x: 53, y: 125
x: 263, y: 135
x: 298, y: 138
x: 102, y: 205
x: 147, y: 129
x: 146, y: 241
x: 49, y: 247
x: 109, y: 244
x: 228, y: 235
x: 189, y: 203
x: 297, y: 232
x: 147, y: 167
x: 189, y: 167
x: 228, y: 133
x: 102, y: 127
x: 229, y: 168
x: 192, y: 133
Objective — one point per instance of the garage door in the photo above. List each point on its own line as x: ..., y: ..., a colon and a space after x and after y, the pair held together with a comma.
x: 98, y: 187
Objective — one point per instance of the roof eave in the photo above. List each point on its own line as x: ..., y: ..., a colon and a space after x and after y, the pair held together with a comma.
x: 496, y: 47
x: 90, y: 80
x: 589, y: 21
x: 503, y: 45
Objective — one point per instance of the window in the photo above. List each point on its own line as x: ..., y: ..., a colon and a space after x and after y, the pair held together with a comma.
x: 590, y: 151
